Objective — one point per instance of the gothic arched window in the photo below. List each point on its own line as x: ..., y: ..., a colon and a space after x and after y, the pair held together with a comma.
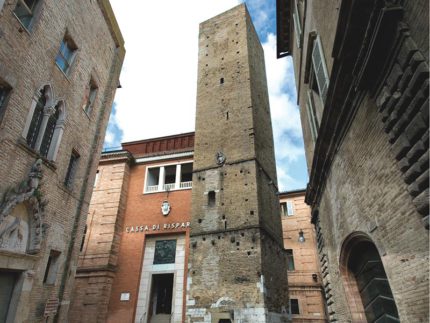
x: 45, y: 124
x: 36, y: 120
x: 49, y: 131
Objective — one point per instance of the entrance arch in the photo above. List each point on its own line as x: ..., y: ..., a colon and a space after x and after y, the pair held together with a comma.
x: 368, y: 291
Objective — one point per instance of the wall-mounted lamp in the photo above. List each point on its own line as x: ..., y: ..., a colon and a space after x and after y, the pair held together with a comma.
x: 301, y: 236
x: 315, y: 277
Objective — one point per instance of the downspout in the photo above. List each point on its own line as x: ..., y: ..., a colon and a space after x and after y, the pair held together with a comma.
x: 93, y: 158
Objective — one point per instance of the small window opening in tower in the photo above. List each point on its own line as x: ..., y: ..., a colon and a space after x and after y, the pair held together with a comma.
x: 211, y: 198
x: 226, y: 115
x: 221, y: 80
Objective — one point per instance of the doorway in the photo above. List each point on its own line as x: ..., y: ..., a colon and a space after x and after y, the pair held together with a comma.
x: 8, y: 280
x: 160, y: 304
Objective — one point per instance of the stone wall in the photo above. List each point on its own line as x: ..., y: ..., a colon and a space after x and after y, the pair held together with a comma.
x: 237, y: 265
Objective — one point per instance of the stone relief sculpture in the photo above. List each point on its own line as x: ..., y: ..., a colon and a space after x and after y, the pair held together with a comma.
x: 21, y: 214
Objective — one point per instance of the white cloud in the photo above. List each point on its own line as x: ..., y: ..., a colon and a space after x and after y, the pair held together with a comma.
x: 287, y: 131
x: 159, y: 77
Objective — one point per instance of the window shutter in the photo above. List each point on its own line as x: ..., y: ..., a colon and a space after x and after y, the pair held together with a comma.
x: 320, y: 69
x: 313, y: 123
x: 297, y: 25
x: 290, y: 209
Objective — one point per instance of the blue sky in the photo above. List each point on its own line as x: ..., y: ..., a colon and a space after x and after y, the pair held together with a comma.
x: 161, y: 43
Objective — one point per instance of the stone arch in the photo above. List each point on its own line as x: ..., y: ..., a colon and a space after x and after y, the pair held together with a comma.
x: 22, y: 211
x: 365, y: 281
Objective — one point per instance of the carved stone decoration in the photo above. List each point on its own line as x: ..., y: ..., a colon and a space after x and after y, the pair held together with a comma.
x: 21, y: 214
x: 220, y: 158
x: 165, y: 208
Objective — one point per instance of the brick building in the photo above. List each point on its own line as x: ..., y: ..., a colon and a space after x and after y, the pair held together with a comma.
x: 132, y: 266
x: 58, y: 76
x: 361, y: 72
x: 306, y: 295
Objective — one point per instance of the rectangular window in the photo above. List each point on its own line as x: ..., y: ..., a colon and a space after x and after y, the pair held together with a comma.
x: 297, y: 25
x: 294, y: 305
x: 90, y: 97
x: 96, y: 179
x: 4, y: 94
x: 165, y: 252
x: 320, y: 68
x: 284, y: 208
x: 71, y: 170
x: 186, y: 175
x: 290, y: 208
x: 169, y: 177
x: 52, y: 268
x: 312, y: 117
x: 66, y: 54
x: 25, y: 11
x: 290, y: 259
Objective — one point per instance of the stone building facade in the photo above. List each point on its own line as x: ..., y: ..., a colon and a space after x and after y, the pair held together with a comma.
x: 362, y: 83
x: 58, y: 76
x: 305, y: 288
x: 237, y: 267
x: 133, y: 261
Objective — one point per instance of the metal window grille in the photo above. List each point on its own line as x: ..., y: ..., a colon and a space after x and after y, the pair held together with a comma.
x: 320, y: 68
x: 49, y: 132
x: 36, y: 121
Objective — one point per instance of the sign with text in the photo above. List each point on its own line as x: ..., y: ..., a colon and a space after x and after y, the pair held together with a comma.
x: 157, y: 227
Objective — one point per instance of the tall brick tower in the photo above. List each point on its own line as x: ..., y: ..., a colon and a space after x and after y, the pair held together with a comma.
x: 237, y: 267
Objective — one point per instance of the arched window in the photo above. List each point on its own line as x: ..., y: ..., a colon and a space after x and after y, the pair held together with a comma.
x: 45, y: 124
x: 49, y: 132
x: 36, y: 120
x: 368, y: 290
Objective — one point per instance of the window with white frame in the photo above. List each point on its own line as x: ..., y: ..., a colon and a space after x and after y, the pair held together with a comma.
x: 66, y: 54
x: 25, y: 11
x: 320, y: 68
x: 287, y: 208
x: 312, y: 116
x: 168, y: 177
x: 297, y: 25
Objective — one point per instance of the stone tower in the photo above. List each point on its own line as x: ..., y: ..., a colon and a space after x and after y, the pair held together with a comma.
x: 237, y: 267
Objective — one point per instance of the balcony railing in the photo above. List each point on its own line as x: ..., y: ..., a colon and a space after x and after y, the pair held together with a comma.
x: 152, y: 188
x: 186, y: 184
x: 168, y: 187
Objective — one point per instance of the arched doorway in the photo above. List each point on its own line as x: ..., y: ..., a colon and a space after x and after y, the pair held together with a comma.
x: 368, y: 291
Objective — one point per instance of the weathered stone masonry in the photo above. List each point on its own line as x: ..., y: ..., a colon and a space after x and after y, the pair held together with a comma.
x: 237, y: 267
